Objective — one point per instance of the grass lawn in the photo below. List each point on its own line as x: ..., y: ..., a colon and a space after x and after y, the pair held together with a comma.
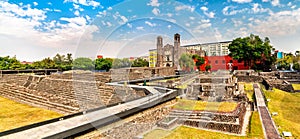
x: 182, y: 132
x: 184, y: 104
x: 255, y: 127
x: 248, y: 87
x: 13, y: 114
x: 288, y: 108
x: 296, y: 86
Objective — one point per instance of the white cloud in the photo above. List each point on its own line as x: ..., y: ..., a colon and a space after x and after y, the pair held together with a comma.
x: 192, y: 18
x: 265, y: 0
x: 231, y: 10
x: 242, y: 1
x: 187, y: 24
x: 76, y: 20
x: 129, y: 25
x: 35, y: 3
x: 155, y: 11
x: 203, y: 8
x: 124, y: 19
x: 140, y: 28
x: 92, y: 3
x: 109, y: 8
x: 154, y: 3
x: 224, y: 20
x: 218, y: 35
x: 279, y: 24
x: 108, y: 24
x: 117, y: 16
x: 185, y: 7
x: 76, y: 13
x: 24, y: 11
x: 150, y: 24
x: 210, y: 14
x: 169, y: 14
x: 169, y: 26
x: 257, y: 8
x: 27, y: 29
x: 275, y: 2
x: 56, y: 10
x: 237, y: 22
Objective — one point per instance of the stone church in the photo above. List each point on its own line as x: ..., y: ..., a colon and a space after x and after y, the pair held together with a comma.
x: 169, y: 55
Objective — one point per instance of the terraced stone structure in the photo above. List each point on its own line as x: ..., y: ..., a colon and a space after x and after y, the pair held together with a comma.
x: 126, y: 74
x: 231, y: 122
x: 66, y: 93
x: 219, y: 87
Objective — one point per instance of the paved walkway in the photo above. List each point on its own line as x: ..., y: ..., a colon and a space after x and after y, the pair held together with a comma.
x: 269, y: 128
x: 86, y: 119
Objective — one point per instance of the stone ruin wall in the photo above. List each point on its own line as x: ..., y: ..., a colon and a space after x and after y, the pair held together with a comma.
x: 17, y: 79
x: 140, y: 73
x: 138, y: 124
x: 89, y: 94
x: 230, y: 127
x: 270, y: 83
x: 249, y: 78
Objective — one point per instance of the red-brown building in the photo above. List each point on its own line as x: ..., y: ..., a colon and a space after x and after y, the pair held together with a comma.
x: 221, y: 63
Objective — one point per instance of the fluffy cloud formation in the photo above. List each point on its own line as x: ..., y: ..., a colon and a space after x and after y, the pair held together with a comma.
x: 155, y: 11
x: 154, y: 3
x: 257, y: 8
x: 208, y: 14
x: 279, y: 24
x: 231, y: 10
x: 85, y: 2
x: 275, y: 2
x: 242, y: 1
x: 185, y: 7
x: 150, y: 24
x: 26, y: 23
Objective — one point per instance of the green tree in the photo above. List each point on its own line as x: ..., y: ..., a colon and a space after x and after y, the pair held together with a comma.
x: 62, y: 62
x: 252, y: 50
x: 46, y: 63
x: 186, y: 61
x: 139, y: 62
x: 121, y: 63
x: 83, y: 63
x: 103, y: 64
x: 296, y: 66
x: 11, y: 63
x: 208, y: 67
x: 199, y: 61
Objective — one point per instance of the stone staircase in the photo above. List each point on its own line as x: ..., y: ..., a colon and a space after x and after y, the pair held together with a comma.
x: 216, y: 121
x: 24, y: 95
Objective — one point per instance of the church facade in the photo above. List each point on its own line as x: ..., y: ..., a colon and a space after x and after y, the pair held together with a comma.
x: 168, y: 55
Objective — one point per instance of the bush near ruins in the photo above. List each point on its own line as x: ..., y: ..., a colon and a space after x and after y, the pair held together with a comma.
x: 11, y: 63
x: 199, y: 61
x: 139, y: 62
x: 186, y: 62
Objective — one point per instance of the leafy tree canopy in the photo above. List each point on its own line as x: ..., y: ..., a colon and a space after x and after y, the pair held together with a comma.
x: 139, y: 62
x: 186, y: 61
x: 253, y: 50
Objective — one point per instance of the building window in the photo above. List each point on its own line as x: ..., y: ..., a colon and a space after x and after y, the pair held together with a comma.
x: 168, y: 58
x: 223, y: 61
x: 216, y: 62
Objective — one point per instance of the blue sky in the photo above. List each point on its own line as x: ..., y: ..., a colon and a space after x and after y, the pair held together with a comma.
x: 35, y: 29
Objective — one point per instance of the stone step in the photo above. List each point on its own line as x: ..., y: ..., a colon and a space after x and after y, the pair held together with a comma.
x: 26, y: 97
